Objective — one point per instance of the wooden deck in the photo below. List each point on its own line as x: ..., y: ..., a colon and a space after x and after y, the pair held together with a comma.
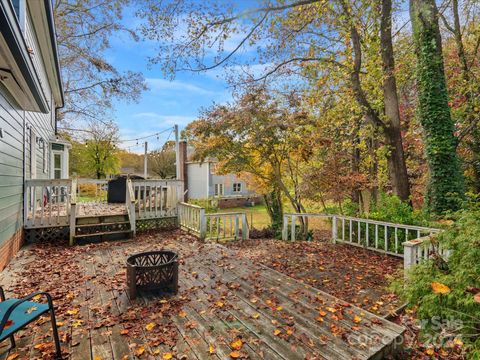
x: 223, y: 297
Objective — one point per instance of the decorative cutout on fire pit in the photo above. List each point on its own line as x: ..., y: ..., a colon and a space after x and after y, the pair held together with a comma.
x: 152, y: 270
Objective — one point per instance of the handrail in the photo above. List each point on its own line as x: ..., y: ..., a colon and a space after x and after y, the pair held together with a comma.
x: 73, y: 192
x: 130, y: 205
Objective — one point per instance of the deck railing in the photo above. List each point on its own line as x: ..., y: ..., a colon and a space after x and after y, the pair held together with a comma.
x: 418, y: 250
x: 47, y: 202
x: 192, y: 218
x: 130, y: 205
x: 157, y: 198
x: 226, y: 226
x: 376, y: 235
x: 92, y: 190
x: 406, y: 241
x: 214, y: 226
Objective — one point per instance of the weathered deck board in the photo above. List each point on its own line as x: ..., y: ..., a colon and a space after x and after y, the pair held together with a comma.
x: 226, y: 297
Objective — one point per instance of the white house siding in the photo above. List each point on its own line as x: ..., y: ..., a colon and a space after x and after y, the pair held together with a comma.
x: 228, y: 180
x: 14, y: 146
x: 197, y: 175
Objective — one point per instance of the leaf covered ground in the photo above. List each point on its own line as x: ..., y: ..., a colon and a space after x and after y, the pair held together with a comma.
x: 226, y: 306
x: 353, y: 274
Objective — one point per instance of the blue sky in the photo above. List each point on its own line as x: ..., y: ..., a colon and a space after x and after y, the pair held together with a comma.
x: 167, y: 102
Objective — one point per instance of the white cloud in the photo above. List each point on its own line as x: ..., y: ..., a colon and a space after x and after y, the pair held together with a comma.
x: 164, y: 120
x: 162, y: 85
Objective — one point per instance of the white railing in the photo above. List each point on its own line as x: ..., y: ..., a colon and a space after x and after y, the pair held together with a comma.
x: 376, y: 235
x: 215, y: 226
x: 226, y: 226
x: 130, y: 205
x: 47, y: 203
x: 73, y: 213
x: 418, y: 250
x: 289, y: 230
x: 405, y: 241
x: 92, y: 190
x: 157, y: 198
x: 192, y: 218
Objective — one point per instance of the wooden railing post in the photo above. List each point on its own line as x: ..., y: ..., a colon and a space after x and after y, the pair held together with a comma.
x: 334, y: 229
x: 73, y: 222
x: 245, y: 234
x: 130, y: 203
x: 203, y: 224
x: 293, y: 229
x: 409, y: 254
x: 285, y: 228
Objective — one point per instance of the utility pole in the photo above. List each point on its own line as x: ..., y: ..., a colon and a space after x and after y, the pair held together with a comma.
x: 177, y: 152
x: 145, y: 159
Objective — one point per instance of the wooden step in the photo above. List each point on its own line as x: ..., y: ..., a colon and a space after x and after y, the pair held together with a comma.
x: 78, y: 226
x: 79, y: 236
x: 101, y: 219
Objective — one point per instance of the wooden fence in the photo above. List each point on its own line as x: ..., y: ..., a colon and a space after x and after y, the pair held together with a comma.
x: 215, y: 226
x: 406, y: 241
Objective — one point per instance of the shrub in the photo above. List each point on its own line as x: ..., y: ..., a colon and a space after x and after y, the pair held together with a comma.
x: 441, y: 292
x: 390, y: 208
x: 210, y: 205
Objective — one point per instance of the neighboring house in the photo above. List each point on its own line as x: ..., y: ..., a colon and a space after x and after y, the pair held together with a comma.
x: 30, y: 94
x: 204, y: 183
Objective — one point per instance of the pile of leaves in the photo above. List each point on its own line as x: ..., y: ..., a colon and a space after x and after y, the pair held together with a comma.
x: 353, y: 274
x: 445, y: 293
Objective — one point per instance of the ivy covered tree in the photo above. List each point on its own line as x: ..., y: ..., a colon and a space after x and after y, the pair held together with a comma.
x: 445, y: 188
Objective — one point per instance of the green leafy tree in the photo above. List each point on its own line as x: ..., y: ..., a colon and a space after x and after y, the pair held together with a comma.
x: 100, y: 151
x: 261, y: 135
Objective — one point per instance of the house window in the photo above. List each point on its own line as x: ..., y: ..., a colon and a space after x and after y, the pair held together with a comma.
x: 237, y: 187
x: 57, y: 165
x: 218, y: 189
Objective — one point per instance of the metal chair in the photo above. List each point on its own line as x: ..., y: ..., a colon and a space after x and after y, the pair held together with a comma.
x: 18, y: 313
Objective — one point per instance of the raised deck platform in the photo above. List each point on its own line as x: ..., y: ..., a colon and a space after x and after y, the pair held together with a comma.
x: 223, y: 297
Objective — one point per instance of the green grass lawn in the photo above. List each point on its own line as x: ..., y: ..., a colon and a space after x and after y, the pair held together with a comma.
x: 257, y: 216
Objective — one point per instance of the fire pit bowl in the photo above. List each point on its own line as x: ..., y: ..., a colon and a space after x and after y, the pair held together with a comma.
x: 152, y: 270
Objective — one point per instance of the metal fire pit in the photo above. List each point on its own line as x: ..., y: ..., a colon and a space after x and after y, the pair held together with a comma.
x: 152, y: 270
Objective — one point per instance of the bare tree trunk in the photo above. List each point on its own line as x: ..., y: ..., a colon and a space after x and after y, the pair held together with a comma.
x: 397, y: 166
x: 396, y: 160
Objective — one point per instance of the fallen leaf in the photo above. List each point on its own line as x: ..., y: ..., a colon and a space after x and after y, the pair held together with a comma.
x: 277, y: 332
x: 73, y: 311
x: 439, y: 288
x: 211, y: 349
x: 150, y: 326
x: 124, y: 332
x: 256, y: 316
x: 237, y: 344
x: 140, y: 351
x: 477, y: 298
x: 12, y: 356
x: 31, y: 309
x: 234, y: 354
x: 167, y: 356
x: 182, y: 314
x: 357, y: 319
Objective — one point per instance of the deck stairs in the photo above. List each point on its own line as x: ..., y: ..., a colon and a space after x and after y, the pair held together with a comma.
x: 102, y: 228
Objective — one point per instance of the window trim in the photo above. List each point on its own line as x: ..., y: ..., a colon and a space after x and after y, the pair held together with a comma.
x: 239, y: 185
x: 219, y: 189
